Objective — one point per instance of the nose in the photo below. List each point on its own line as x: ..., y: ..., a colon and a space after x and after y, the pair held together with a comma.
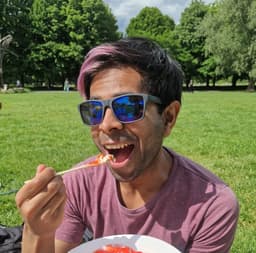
x: 110, y: 121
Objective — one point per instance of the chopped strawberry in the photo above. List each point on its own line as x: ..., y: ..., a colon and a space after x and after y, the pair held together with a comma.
x: 116, y: 249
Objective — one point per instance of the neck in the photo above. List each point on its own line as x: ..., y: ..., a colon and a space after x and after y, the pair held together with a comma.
x: 138, y: 192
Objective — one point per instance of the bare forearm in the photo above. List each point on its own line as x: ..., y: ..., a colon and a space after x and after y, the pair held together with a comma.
x: 32, y: 243
x: 41, y: 203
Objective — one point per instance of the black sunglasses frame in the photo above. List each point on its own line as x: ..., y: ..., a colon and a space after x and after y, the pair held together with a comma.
x: 108, y: 104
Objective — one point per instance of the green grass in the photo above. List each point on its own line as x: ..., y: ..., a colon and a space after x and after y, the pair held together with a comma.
x: 216, y: 129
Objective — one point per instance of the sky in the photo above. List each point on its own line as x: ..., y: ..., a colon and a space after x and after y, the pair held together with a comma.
x: 124, y: 10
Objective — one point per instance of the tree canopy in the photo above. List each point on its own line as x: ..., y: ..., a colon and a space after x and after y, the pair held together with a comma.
x: 151, y: 23
x: 192, y: 54
x: 51, y: 37
x: 14, y: 20
x: 64, y: 32
x: 230, y: 36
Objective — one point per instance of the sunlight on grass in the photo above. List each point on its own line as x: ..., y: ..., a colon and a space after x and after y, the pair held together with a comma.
x: 216, y: 129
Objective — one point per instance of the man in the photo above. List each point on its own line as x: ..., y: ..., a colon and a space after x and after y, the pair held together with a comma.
x: 133, y: 96
x: 66, y: 85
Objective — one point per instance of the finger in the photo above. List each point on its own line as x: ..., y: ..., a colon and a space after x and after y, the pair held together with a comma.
x: 35, y: 185
x: 44, y: 175
x: 40, y: 168
x: 55, y: 207
x: 34, y: 206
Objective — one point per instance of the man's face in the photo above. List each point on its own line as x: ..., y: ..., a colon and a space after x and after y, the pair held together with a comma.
x: 135, y: 145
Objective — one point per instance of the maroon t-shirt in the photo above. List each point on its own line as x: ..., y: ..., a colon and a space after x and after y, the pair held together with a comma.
x: 194, y: 211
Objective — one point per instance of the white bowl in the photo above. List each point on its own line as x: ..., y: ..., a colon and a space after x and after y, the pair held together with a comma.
x: 144, y: 243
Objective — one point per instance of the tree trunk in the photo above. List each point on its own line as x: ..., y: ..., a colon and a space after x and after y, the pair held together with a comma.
x: 187, y: 81
x: 1, y: 72
x: 207, y: 81
x: 234, y: 80
x: 1, y: 78
x: 251, y: 85
x: 213, y: 81
x: 4, y: 44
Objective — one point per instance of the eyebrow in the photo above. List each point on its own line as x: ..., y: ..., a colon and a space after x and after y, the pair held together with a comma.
x: 115, y: 95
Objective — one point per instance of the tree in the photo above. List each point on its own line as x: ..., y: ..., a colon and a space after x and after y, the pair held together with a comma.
x: 192, y: 55
x: 14, y: 20
x: 49, y: 47
x: 230, y: 37
x: 151, y: 23
x: 64, y: 31
x: 4, y: 44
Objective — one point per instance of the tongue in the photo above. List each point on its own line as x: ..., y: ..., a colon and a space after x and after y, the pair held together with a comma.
x: 122, y: 154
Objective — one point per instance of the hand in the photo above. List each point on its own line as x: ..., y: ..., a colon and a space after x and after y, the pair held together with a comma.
x: 41, y: 202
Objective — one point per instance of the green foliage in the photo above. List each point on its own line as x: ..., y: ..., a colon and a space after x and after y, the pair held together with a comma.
x: 150, y: 21
x: 192, y: 55
x: 14, y: 20
x: 230, y: 36
x: 213, y: 128
x: 51, y: 37
x: 92, y: 22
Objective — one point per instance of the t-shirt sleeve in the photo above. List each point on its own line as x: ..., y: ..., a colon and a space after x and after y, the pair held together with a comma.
x: 217, y: 229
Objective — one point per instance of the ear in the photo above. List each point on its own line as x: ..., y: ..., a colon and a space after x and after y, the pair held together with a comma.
x: 170, y: 115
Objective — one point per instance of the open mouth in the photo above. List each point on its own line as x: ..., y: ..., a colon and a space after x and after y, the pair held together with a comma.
x: 121, y: 152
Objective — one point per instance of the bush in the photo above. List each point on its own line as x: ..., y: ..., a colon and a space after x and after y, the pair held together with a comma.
x: 14, y: 90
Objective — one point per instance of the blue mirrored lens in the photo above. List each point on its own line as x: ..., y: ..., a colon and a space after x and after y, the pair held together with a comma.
x: 128, y: 108
x: 92, y: 112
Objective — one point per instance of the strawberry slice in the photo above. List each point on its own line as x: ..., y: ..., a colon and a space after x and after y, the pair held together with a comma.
x: 116, y: 249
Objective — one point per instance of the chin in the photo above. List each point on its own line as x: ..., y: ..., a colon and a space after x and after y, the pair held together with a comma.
x: 125, y: 178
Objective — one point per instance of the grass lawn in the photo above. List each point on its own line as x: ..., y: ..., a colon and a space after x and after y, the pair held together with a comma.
x: 216, y: 129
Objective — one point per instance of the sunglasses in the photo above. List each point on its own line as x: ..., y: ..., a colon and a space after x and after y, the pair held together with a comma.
x: 127, y: 108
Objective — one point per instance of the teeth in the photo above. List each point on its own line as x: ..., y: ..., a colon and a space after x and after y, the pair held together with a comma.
x: 116, y: 146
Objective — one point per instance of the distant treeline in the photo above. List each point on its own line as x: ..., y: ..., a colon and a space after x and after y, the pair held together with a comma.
x: 49, y: 39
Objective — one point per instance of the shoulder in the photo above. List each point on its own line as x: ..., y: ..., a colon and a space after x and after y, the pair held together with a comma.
x: 200, y: 183
x: 192, y: 170
x: 212, y: 206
